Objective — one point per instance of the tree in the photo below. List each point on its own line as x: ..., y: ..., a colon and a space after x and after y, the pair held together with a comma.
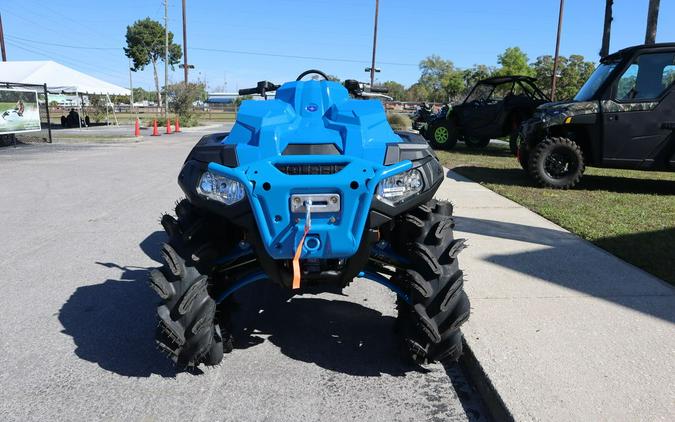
x: 145, y: 45
x: 395, y: 90
x: 514, y: 62
x: 572, y: 73
x: 440, y: 78
x: 142, y: 95
x: 417, y: 92
x: 182, y: 97
x: 543, y: 71
x: 476, y: 73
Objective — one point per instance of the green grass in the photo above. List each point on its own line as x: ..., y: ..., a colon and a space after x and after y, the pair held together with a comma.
x: 629, y: 213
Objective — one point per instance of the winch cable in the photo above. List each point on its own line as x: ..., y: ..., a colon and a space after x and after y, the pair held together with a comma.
x: 298, y: 250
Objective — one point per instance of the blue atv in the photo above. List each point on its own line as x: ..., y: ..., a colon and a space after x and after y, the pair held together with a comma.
x: 309, y: 190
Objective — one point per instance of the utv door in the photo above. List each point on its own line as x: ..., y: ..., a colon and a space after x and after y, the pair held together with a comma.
x: 635, y: 119
x: 480, y: 117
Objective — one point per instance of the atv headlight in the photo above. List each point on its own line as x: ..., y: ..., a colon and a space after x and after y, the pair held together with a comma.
x: 396, y: 189
x: 220, y: 188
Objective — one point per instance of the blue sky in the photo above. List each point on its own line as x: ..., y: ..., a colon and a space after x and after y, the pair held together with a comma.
x: 466, y: 32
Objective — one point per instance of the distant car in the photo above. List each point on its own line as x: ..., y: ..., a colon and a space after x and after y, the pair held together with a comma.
x: 495, y: 107
x: 622, y: 117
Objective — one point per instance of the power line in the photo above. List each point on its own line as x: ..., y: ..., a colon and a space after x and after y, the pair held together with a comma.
x: 289, y: 56
x: 216, y: 50
x: 73, y: 62
x: 80, y: 47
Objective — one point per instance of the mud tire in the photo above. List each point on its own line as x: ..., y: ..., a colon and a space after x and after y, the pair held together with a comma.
x: 429, y: 326
x: 556, y: 150
x: 188, y: 331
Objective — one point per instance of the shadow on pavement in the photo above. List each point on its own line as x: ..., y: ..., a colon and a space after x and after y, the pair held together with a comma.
x: 113, y: 323
x: 341, y: 336
x: 564, y: 264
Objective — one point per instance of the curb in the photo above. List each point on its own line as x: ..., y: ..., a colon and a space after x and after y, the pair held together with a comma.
x: 493, y: 402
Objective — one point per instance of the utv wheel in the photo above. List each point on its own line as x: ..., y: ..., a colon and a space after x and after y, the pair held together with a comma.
x: 476, y: 142
x: 442, y: 135
x: 523, y: 158
x: 556, y: 163
x: 187, y: 331
x: 430, y: 325
x: 513, y: 142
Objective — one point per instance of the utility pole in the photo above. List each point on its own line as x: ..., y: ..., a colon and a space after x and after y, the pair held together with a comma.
x: 604, y: 50
x: 652, y: 20
x: 131, y: 88
x: 372, y: 65
x: 166, y: 58
x: 557, y: 50
x: 185, y: 60
x: 2, y: 41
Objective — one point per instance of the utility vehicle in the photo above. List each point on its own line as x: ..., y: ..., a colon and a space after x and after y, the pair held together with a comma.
x: 622, y: 117
x: 310, y: 190
x: 495, y: 107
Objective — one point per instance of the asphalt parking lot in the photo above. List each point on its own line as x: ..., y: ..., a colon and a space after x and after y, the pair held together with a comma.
x: 79, y: 228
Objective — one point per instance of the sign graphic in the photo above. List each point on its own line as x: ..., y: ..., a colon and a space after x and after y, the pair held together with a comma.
x: 19, y: 111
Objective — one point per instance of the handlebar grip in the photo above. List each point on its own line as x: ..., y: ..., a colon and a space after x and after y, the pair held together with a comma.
x: 379, y: 89
x: 248, y: 91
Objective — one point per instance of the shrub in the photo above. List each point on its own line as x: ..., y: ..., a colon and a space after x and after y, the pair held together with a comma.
x: 399, y: 121
x: 182, y: 98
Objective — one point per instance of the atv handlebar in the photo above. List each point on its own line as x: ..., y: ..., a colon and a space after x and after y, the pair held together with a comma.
x: 262, y: 88
x: 248, y: 91
x: 379, y: 89
x: 362, y: 89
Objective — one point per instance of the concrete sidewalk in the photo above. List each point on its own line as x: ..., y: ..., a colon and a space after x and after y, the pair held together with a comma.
x: 562, y: 329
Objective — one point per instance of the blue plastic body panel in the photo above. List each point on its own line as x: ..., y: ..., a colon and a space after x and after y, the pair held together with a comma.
x: 311, y: 112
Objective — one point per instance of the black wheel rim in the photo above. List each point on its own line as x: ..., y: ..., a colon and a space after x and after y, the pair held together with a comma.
x: 560, y: 164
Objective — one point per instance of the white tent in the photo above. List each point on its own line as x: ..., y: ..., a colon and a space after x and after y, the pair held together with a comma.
x: 59, y: 78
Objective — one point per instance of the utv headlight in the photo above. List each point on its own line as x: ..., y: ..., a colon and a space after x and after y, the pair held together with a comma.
x: 396, y: 189
x: 220, y: 188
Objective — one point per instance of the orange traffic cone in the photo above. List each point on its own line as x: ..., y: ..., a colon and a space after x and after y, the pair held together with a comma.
x: 168, y: 126
x: 177, y: 126
x: 155, y: 131
x: 137, y: 129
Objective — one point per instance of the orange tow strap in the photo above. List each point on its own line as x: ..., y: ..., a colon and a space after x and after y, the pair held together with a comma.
x: 296, y: 260
x: 298, y: 251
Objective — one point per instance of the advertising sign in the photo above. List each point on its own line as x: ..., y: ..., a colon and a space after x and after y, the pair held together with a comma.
x: 19, y: 111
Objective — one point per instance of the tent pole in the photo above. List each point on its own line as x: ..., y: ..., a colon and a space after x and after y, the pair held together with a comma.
x: 49, y: 122
x: 79, y: 118
x: 107, y: 115
x: 112, y: 106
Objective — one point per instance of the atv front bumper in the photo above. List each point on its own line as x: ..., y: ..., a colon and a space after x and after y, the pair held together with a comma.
x: 270, y: 190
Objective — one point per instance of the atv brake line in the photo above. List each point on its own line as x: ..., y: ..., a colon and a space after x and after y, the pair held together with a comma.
x: 241, y: 264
